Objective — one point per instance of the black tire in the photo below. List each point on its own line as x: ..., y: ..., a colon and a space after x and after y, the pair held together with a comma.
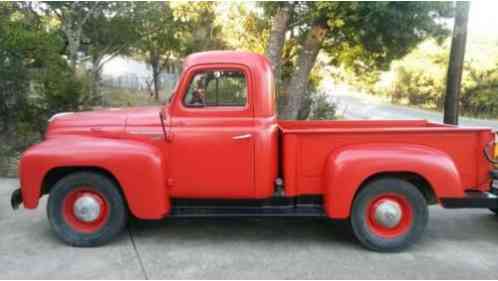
x: 414, y: 200
x: 494, y: 211
x: 117, y: 211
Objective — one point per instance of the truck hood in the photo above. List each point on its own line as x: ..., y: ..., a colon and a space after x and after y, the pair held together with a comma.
x: 111, y: 120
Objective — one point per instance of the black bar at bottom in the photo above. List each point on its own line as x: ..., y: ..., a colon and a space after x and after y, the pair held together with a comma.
x: 300, y: 211
x: 472, y: 200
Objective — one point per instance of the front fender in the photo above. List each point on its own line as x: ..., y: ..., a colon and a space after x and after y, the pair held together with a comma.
x: 347, y: 168
x: 138, y: 166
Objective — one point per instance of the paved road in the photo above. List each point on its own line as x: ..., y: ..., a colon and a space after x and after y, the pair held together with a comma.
x: 361, y: 106
x: 459, y: 244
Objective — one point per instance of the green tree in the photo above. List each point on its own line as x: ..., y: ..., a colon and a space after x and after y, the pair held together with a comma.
x: 159, y: 42
x: 72, y: 16
x: 420, y: 78
x: 110, y: 32
x: 199, y: 30
x: 170, y: 31
x: 35, y: 79
x: 243, y: 28
x: 362, y: 36
x: 15, y: 42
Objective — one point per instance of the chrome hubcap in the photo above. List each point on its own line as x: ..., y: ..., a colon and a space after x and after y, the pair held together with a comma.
x: 86, y: 208
x: 388, y: 214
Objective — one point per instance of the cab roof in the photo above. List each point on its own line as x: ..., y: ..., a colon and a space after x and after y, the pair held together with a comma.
x: 263, y: 92
x: 236, y: 57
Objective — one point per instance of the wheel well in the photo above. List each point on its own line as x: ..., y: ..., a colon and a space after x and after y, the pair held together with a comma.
x: 56, y: 174
x: 417, y: 180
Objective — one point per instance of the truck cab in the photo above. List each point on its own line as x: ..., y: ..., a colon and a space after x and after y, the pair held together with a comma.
x: 217, y: 148
x: 229, y: 129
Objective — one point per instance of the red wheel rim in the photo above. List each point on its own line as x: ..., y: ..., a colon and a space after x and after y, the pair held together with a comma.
x: 78, y: 224
x: 399, y: 228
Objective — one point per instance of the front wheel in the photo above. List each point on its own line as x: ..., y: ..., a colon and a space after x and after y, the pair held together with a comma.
x: 86, y: 209
x: 494, y: 210
x: 389, y: 214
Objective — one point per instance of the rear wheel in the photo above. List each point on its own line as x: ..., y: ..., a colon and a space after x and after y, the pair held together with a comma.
x: 86, y: 209
x: 389, y: 214
x: 494, y: 210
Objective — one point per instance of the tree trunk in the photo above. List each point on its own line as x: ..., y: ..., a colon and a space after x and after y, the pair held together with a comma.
x: 455, y: 66
x: 73, y: 42
x: 279, y: 25
x: 72, y: 20
x: 298, y: 84
x: 96, y: 77
x: 155, y: 64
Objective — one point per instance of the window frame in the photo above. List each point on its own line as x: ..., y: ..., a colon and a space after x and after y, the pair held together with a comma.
x: 192, y: 77
x: 222, y: 111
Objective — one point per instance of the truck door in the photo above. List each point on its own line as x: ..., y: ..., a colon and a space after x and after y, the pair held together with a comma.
x: 212, y: 147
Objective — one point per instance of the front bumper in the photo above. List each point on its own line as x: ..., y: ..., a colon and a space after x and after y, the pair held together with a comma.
x: 16, y: 199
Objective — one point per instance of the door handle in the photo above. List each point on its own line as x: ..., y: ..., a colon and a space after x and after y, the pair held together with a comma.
x: 241, y: 137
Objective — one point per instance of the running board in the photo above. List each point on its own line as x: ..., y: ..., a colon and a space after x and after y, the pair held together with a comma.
x: 277, y: 206
x: 273, y: 211
x: 472, y: 200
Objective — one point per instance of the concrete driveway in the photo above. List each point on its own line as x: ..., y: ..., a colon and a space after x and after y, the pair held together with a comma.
x: 458, y: 244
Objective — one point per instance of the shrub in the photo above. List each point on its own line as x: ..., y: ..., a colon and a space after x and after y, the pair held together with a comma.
x: 322, y: 108
x: 420, y: 79
x: 479, y: 96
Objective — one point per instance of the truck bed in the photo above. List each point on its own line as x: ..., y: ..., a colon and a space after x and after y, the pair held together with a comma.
x: 307, y: 144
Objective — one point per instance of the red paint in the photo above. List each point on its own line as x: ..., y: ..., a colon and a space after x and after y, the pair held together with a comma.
x: 396, y: 231
x: 201, y: 159
x: 77, y: 224
x: 334, y: 158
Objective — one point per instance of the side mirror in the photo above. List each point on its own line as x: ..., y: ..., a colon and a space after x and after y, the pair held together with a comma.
x: 163, y: 126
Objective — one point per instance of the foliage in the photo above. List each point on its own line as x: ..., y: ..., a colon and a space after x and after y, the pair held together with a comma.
x: 479, y: 95
x: 368, y: 36
x: 322, y: 108
x: 170, y: 31
x: 72, y: 17
x: 34, y: 74
x: 419, y: 79
x: 35, y: 80
x: 15, y: 41
x: 361, y: 37
x: 55, y: 88
x: 243, y: 28
x: 200, y: 31
x: 111, y: 31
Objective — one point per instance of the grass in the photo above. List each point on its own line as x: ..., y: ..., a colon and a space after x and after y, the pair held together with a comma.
x: 115, y: 97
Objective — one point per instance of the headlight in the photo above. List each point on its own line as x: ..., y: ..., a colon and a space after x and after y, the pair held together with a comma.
x: 59, y: 115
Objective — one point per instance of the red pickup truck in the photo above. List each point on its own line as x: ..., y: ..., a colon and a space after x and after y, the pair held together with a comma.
x: 217, y: 149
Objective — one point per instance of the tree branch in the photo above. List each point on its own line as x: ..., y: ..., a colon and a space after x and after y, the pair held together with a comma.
x: 90, y: 13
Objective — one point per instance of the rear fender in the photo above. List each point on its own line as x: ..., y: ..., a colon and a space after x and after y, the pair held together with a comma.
x: 138, y: 167
x: 347, y: 168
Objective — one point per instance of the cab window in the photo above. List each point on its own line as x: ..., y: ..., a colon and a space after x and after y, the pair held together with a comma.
x: 217, y: 88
